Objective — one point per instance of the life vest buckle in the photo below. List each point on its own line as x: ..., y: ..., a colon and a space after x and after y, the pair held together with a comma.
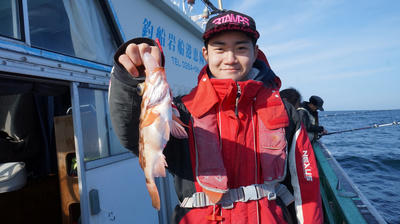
x: 249, y: 193
x: 271, y: 196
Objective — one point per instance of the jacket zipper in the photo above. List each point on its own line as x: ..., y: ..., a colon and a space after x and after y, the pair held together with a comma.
x: 238, y: 94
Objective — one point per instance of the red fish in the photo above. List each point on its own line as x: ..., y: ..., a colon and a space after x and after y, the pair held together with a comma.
x: 157, y: 120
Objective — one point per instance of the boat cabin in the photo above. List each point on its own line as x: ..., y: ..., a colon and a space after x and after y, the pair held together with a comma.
x: 60, y: 161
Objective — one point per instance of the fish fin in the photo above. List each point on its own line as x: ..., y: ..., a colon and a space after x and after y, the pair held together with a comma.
x: 176, y: 118
x: 159, y: 167
x: 175, y: 110
x: 149, y: 119
x: 155, y: 197
x: 142, y: 161
x: 177, y: 130
x: 167, y: 132
x: 213, y: 196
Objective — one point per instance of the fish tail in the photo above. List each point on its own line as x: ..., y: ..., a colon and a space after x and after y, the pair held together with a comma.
x: 153, y: 191
x: 159, y: 166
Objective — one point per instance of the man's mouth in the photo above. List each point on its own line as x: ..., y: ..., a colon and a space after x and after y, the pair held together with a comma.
x: 230, y: 69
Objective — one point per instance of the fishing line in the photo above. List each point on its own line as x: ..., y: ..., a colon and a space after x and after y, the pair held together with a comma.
x: 337, y: 114
x: 363, y: 128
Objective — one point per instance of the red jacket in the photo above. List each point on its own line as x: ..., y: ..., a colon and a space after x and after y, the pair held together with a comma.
x: 237, y: 127
x: 242, y: 160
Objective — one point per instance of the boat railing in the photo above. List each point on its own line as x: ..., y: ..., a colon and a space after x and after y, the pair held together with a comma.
x: 343, y: 201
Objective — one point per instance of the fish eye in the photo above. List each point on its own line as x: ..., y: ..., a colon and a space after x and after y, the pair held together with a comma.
x: 140, y: 89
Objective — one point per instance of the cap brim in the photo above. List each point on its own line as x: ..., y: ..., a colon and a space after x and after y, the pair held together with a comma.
x: 321, y: 108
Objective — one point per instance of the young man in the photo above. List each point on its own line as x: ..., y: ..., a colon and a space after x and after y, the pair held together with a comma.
x: 308, y: 112
x: 245, y: 148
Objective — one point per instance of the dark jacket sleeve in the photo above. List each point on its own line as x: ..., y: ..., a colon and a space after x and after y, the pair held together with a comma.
x: 306, y: 193
x: 124, y: 101
x: 294, y: 121
x: 307, y: 123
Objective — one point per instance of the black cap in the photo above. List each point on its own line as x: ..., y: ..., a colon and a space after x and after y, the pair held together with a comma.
x: 317, y: 101
x: 231, y: 21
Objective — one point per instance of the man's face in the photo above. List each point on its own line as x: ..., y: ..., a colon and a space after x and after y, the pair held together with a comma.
x: 230, y: 55
x: 313, y: 107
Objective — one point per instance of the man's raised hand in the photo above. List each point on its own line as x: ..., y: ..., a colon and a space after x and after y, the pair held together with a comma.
x: 132, y: 60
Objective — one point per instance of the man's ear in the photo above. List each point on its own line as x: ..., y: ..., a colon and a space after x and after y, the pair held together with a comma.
x: 205, y: 54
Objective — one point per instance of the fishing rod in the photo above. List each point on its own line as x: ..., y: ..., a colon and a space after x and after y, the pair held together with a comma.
x: 363, y: 128
x: 211, y: 7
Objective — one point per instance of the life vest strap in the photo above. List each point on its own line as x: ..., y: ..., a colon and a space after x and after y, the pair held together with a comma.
x: 242, y: 194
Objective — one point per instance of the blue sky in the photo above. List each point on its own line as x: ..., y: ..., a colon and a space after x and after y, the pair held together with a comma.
x: 347, y: 52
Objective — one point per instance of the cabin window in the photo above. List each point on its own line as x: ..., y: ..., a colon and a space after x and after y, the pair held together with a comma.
x: 10, y: 25
x: 99, y: 140
x: 75, y: 28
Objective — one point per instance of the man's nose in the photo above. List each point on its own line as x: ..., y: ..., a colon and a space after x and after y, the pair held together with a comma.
x: 230, y: 57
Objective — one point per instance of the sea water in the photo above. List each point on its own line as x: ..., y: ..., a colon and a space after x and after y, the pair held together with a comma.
x: 371, y: 157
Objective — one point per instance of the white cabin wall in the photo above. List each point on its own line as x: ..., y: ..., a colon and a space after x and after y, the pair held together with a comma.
x: 181, y: 71
x: 133, y: 206
x: 125, y: 201
x: 128, y: 201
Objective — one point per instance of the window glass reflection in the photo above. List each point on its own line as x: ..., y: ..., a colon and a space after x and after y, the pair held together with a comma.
x: 94, y: 127
x: 10, y: 19
x: 75, y: 28
x: 99, y: 140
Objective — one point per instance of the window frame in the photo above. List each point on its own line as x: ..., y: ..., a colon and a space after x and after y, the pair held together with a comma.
x: 21, y: 30
x: 35, y: 62
x: 110, y: 158
x: 25, y: 39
